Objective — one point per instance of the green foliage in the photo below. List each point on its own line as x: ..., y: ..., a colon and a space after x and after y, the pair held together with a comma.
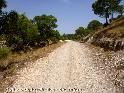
x: 55, y: 36
x: 4, y: 52
x: 2, y: 5
x: 46, y: 28
x: 77, y: 37
x: 94, y: 25
x: 68, y: 37
x: 47, y: 21
x: 10, y: 27
x: 105, y: 8
x: 81, y: 32
x: 28, y: 31
x: 120, y: 9
x: 22, y: 33
x: 46, y: 25
x: 2, y: 22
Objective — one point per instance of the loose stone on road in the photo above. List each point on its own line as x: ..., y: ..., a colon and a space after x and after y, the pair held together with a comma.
x: 68, y: 69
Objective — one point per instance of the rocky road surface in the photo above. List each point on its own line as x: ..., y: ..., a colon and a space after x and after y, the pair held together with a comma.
x: 68, y: 69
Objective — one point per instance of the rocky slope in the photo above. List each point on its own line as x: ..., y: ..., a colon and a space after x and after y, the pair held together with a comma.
x: 111, y: 37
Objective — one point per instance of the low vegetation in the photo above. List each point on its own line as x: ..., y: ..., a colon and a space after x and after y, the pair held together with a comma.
x: 4, y: 52
x: 19, y: 34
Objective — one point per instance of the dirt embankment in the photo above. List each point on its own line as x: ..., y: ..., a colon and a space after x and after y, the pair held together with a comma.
x: 111, y: 37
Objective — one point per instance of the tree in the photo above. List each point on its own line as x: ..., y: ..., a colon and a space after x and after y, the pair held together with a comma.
x: 2, y: 15
x: 94, y: 25
x: 2, y: 5
x: 68, y: 37
x: 55, y: 36
x: 3, y: 22
x: 28, y: 31
x: 11, y: 23
x: 80, y: 31
x: 114, y: 4
x: 104, y: 8
x: 120, y: 9
x: 19, y: 31
x: 46, y: 25
x: 10, y: 28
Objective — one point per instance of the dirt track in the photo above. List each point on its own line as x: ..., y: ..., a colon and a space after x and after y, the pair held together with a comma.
x: 68, y: 69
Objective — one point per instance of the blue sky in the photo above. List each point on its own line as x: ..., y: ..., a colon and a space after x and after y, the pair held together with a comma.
x: 70, y: 13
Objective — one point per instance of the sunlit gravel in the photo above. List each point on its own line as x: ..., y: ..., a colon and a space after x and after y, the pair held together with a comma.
x: 71, y: 68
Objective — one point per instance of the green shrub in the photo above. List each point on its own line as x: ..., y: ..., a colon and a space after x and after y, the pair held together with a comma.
x: 4, y: 52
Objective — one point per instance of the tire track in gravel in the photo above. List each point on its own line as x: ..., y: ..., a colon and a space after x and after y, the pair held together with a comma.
x: 68, y: 69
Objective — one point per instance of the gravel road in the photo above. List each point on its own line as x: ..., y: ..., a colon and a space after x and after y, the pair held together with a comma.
x: 68, y: 69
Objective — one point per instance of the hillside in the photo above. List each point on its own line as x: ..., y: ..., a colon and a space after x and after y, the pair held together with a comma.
x: 111, y: 37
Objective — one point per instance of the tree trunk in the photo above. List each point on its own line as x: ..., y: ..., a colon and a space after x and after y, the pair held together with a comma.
x: 112, y: 16
x: 106, y: 15
x: 121, y: 14
x: 106, y: 20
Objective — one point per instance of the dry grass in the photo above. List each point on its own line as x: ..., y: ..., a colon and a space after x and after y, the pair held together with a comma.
x: 33, y: 55
x: 116, y: 26
x: 17, y: 61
